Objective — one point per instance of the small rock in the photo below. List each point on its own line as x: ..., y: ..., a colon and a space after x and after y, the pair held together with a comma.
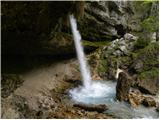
x: 98, y: 108
x: 123, y: 49
x: 135, y: 98
x: 149, y: 102
x: 129, y: 36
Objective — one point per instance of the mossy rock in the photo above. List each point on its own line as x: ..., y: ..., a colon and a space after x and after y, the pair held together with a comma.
x: 148, y: 81
x: 147, y: 56
x: 151, y: 74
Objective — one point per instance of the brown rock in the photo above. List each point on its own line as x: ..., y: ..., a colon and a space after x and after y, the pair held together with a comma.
x: 149, y: 102
x: 123, y: 86
x: 98, y: 108
x: 135, y: 98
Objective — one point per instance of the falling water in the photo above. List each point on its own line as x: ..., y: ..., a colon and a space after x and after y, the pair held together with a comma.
x: 85, y: 72
x: 102, y: 92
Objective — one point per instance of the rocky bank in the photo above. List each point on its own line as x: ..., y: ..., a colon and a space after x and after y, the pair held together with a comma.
x: 37, y: 54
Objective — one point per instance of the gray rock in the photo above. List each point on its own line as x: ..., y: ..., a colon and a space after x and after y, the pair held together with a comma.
x: 122, y: 46
x: 130, y: 37
x: 123, y: 86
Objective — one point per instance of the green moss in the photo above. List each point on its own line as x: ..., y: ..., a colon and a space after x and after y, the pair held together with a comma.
x: 103, y: 66
x: 150, y: 24
x: 106, y: 64
x: 95, y: 44
x: 148, y: 55
x: 141, y: 43
x: 125, y: 60
x: 153, y: 73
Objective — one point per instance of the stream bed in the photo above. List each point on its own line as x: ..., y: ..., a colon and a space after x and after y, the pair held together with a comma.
x: 104, y: 92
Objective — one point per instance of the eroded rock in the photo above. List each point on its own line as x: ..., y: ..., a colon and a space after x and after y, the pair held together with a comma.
x: 123, y: 86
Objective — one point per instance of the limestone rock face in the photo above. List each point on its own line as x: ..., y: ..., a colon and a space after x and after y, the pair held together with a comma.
x: 108, y: 17
x: 123, y: 86
x: 43, y: 27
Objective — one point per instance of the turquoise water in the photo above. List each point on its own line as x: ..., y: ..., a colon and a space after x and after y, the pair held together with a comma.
x: 104, y: 92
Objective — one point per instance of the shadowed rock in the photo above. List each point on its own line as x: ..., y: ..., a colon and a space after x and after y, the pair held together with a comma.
x: 98, y: 108
x: 149, y: 102
x: 123, y: 86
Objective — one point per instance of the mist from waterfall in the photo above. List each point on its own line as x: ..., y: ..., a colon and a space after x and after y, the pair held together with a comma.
x: 101, y: 91
x: 84, y: 68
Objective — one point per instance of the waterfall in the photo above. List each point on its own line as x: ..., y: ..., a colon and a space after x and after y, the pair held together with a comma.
x: 85, y: 72
x: 101, y: 92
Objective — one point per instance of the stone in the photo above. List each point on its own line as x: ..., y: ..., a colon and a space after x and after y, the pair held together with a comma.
x: 98, y: 108
x: 130, y: 37
x: 149, y: 102
x: 145, y: 64
x: 123, y: 86
x: 117, y: 53
x: 135, y: 98
x: 123, y: 49
x: 138, y: 66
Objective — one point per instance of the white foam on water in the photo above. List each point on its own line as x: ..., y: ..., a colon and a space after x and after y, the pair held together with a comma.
x: 99, y: 91
x: 102, y: 92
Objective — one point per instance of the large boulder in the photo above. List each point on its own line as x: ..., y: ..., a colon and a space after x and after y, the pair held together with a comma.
x: 123, y: 86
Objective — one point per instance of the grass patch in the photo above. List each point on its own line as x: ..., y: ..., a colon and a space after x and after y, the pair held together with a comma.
x: 95, y: 44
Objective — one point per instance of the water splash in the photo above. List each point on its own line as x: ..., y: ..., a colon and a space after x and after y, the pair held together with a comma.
x: 102, y: 92
x: 85, y: 72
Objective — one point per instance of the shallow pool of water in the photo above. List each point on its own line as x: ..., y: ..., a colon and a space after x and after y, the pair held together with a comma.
x: 104, y: 92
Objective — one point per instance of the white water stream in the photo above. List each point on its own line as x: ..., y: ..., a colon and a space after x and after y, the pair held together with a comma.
x: 102, y: 92
x: 85, y: 72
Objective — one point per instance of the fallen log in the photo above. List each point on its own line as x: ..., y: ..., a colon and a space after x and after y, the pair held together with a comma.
x: 99, y: 108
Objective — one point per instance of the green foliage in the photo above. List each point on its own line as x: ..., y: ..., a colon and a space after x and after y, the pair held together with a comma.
x: 148, y: 55
x: 95, y: 44
x: 103, y: 68
x: 141, y: 43
x: 151, y: 49
x: 148, y: 1
x: 150, y: 24
x: 153, y: 73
